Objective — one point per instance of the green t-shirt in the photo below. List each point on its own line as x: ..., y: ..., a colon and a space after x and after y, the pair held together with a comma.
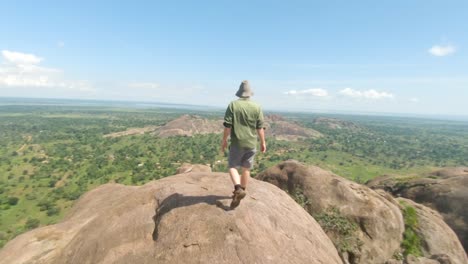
x: 244, y: 117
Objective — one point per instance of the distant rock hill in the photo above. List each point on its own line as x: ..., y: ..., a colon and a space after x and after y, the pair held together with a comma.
x: 188, y: 167
x: 189, y: 125
x: 178, y: 219
x: 365, y: 225
x: 444, y: 190
x: 185, y: 125
x: 283, y: 129
x: 131, y: 131
x: 333, y: 123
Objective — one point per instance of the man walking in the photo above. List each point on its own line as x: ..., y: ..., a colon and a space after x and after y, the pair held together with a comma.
x: 243, y: 121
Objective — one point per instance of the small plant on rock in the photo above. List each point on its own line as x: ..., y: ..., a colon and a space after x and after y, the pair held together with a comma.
x: 299, y: 197
x: 411, y: 242
x: 341, y: 230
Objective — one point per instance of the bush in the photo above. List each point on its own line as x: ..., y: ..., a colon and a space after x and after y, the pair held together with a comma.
x: 411, y: 242
x: 300, y: 198
x: 45, y: 205
x: 72, y: 195
x: 13, y: 200
x: 341, y: 229
x: 30, y: 196
x: 32, y: 223
x: 54, y: 210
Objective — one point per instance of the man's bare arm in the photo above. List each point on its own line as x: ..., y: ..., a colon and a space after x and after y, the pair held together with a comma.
x: 261, y: 135
x: 227, y: 132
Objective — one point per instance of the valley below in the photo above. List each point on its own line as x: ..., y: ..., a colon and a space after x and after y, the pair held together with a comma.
x: 50, y: 155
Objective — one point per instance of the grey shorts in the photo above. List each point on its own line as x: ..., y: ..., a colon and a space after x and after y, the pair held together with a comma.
x: 241, y: 157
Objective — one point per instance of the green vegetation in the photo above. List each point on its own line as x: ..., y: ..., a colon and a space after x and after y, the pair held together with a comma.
x: 411, y: 242
x: 51, y: 154
x: 32, y: 223
x: 300, y: 198
x: 340, y: 229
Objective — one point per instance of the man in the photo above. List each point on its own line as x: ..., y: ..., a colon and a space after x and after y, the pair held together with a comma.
x: 243, y: 121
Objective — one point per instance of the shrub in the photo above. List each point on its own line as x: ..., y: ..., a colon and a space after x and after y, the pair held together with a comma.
x: 30, y: 196
x: 300, y: 198
x: 411, y: 242
x: 54, y: 210
x: 340, y: 229
x: 45, y: 204
x: 32, y: 223
x: 13, y: 200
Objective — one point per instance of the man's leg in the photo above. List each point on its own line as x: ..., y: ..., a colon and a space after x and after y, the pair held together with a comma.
x: 235, y: 178
x: 245, y: 177
x: 238, y: 193
x: 235, y: 160
x: 247, y: 163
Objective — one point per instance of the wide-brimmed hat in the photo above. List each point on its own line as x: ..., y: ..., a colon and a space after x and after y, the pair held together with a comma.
x: 244, y: 90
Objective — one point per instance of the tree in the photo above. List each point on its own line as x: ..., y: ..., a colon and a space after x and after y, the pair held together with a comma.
x: 13, y: 200
x: 32, y: 223
x: 54, y: 210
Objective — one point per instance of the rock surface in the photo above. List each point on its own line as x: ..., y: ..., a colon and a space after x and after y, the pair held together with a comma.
x: 179, y: 219
x: 420, y: 260
x: 437, y: 238
x: 444, y: 190
x: 377, y: 216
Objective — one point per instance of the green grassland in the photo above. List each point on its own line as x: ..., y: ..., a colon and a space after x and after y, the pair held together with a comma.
x: 52, y: 154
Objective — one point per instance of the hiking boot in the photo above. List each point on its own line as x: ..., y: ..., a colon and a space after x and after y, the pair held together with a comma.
x: 237, y: 196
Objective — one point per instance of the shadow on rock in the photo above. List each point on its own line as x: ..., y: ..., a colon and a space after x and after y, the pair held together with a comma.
x: 177, y: 200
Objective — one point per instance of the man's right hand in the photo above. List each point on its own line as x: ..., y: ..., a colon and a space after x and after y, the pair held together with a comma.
x: 223, y: 145
x: 263, y: 147
x: 261, y: 135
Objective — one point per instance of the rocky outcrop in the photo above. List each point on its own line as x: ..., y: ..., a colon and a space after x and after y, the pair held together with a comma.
x: 365, y: 226
x: 444, y: 190
x: 179, y: 219
x: 438, y: 241
x: 189, y: 125
x: 132, y: 131
x: 187, y: 167
x: 336, y: 124
x: 282, y: 129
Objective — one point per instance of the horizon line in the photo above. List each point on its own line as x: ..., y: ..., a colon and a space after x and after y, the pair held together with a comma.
x: 451, y: 117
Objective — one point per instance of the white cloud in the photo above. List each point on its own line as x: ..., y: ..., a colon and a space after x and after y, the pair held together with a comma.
x: 19, y: 58
x: 23, y: 70
x: 145, y: 85
x: 318, y: 92
x: 60, y: 44
x: 367, y: 94
x: 441, y: 51
x: 415, y: 100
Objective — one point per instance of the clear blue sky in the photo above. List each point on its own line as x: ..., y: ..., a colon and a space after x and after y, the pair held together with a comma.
x: 374, y: 56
